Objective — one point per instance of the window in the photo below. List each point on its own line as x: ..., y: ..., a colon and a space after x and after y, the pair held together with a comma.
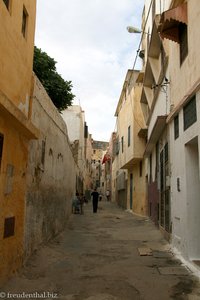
x: 153, y: 10
x: 176, y: 127
x: 190, y: 113
x: 9, y: 227
x: 43, y: 152
x: 24, y: 21
x: 9, y: 179
x: 166, y: 152
x: 140, y: 168
x: 7, y: 2
x: 183, y: 41
x: 122, y: 142
x: 129, y: 135
x: 1, y: 148
x: 94, y: 151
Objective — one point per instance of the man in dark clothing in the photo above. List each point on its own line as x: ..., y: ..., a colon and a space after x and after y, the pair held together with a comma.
x: 95, y: 198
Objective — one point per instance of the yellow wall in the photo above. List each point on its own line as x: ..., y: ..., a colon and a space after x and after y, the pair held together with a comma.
x: 15, y: 153
x: 16, y: 57
x: 16, y: 61
x: 129, y: 113
x: 139, y: 193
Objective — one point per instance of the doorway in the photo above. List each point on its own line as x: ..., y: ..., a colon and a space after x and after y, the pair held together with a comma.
x: 193, y: 197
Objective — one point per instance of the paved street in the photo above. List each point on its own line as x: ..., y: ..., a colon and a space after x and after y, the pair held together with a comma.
x: 98, y: 257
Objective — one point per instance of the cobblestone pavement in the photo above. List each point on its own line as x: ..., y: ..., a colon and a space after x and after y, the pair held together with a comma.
x: 103, y: 256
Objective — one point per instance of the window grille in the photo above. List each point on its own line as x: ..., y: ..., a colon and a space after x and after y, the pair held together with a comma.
x: 190, y: 113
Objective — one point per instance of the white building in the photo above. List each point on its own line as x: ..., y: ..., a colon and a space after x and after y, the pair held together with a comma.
x: 74, y: 117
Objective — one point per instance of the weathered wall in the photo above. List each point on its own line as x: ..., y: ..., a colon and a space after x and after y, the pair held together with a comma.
x: 74, y: 118
x: 185, y: 197
x: 51, y: 174
x: 12, y: 195
x: 16, y: 59
x: 184, y: 77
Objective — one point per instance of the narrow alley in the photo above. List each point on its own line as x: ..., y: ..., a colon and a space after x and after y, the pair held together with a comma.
x: 111, y: 255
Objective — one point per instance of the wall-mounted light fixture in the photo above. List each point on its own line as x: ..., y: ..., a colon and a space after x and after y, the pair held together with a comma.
x: 132, y: 29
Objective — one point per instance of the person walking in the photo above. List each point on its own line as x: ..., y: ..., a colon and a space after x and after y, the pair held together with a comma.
x: 95, y: 199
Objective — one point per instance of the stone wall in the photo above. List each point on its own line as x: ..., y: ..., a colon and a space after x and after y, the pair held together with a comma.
x: 51, y: 173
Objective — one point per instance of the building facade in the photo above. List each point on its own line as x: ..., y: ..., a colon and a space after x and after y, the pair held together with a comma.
x: 183, y: 122
x: 155, y: 103
x: 17, y: 27
x: 99, y: 149
x: 170, y: 104
x: 74, y: 118
x: 128, y: 165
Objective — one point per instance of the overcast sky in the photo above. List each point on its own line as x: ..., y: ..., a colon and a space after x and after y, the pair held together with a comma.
x: 89, y: 41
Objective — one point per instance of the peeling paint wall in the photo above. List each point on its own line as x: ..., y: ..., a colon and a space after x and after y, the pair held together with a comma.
x: 51, y: 174
x: 16, y: 130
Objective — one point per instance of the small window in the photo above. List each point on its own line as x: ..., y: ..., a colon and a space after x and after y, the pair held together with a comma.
x: 24, y: 21
x: 190, y: 113
x: 183, y: 42
x: 9, y: 227
x: 140, y: 168
x: 129, y: 135
x: 166, y: 150
x: 176, y: 127
x: 43, y: 152
x: 94, y: 151
x: 7, y: 3
x: 153, y: 10
x: 122, y: 142
x: 1, y: 148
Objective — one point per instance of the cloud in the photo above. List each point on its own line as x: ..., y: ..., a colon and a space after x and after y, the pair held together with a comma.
x: 89, y: 41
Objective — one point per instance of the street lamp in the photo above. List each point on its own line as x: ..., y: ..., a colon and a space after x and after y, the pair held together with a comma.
x: 132, y: 29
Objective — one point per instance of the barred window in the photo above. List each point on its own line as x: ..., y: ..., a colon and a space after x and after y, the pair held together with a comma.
x: 176, y: 127
x: 190, y: 113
